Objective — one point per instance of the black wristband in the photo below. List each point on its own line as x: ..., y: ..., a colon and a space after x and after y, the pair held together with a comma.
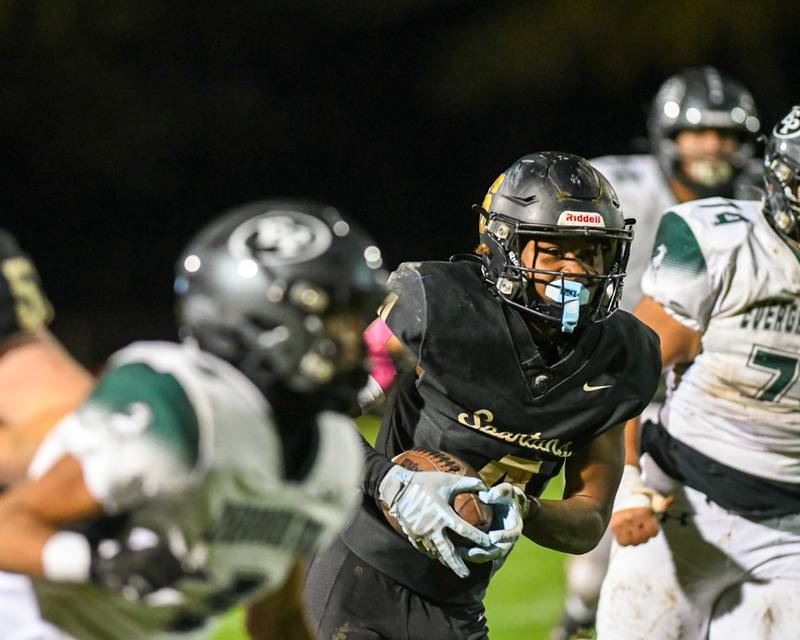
x: 376, y: 466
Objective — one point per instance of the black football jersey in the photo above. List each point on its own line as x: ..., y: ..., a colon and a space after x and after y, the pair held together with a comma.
x: 23, y: 305
x: 513, y: 410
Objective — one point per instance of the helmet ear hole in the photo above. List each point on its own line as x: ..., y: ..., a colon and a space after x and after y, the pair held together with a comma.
x: 507, y: 287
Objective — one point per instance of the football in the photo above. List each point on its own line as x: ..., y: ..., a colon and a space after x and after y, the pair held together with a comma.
x: 466, y: 505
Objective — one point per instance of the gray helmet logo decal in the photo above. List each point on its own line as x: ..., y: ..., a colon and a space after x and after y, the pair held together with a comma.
x: 280, y: 237
x: 789, y: 127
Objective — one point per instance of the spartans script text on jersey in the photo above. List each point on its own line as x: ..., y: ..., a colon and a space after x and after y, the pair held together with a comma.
x: 491, y: 397
x: 720, y: 269
x: 23, y: 305
x: 177, y: 441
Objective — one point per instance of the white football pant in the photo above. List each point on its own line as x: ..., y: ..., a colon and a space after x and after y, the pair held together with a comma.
x: 711, y: 574
x: 19, y: 612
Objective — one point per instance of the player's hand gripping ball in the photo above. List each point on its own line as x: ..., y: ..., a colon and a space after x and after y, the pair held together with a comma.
x: 466, y: 505
x: 510, y: 505
x: 431, y: 498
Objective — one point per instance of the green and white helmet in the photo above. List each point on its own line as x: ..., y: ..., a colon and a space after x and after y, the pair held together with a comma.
x: 703, y: 98
x: 782, y: 176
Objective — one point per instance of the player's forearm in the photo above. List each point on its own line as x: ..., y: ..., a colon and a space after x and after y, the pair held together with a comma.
x: 14, y: 455
x: 22, y: 539
x: 632, y: 441
x: 574, y: 525
x: 32, y: 514
x: 19, y: 441
x: 52, y: 379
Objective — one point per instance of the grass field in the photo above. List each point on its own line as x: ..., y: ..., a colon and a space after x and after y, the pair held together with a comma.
x: 524, y: 599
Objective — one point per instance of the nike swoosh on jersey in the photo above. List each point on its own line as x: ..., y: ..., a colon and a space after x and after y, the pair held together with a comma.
x: 587, y: 387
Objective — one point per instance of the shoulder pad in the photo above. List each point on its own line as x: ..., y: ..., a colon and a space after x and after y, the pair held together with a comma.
x: 719, y: 225
x: 160, y: 355
x: 630, y: 169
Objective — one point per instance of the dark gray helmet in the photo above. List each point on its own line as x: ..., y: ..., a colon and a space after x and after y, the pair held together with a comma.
x: 276, y: 288
x: 782, y: 176
x: 549, y: 196
x: 702, y: 98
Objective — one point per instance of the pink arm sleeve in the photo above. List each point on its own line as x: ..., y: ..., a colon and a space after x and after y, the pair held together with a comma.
x: 382, y: 368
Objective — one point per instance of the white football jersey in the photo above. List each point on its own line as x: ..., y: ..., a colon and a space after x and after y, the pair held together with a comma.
x: 720, y: 269
x: 186, y: 444
x: 644, y: 195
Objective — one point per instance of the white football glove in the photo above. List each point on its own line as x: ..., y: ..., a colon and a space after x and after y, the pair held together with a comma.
x: 510, y: 506
x: 420, y: 501
x: 371, y: 395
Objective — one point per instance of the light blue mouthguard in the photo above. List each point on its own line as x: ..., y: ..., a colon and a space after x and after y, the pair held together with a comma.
x: 571, y: 295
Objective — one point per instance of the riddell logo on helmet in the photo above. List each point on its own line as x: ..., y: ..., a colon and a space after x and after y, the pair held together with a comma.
x: 580, y: 219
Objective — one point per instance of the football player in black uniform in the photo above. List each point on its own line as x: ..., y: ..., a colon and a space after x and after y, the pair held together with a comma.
x: 523, y: 367
x: 40, y: 380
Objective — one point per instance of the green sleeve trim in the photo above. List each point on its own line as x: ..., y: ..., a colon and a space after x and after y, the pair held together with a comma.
x: 174, y: 420
x: 677, y: 247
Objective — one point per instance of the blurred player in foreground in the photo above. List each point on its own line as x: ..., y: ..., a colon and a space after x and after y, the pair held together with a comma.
x: 523, y: 367
x: 723, y: 293
x: 702, y: 127
x: 40, y: 384
x: 196, y: 476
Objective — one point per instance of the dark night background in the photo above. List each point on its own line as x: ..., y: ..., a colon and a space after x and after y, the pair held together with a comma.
x: 128, y: 124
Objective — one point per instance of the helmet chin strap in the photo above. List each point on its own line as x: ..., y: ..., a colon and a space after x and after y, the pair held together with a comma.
x: 570, y: 295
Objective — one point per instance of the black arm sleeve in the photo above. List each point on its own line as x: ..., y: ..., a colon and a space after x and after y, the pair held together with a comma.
x: 405, y: 314
x: 405, y: 311
x: 376, y: 466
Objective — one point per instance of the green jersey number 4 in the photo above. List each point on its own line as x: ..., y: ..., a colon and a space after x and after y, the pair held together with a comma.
x: 782, y: 366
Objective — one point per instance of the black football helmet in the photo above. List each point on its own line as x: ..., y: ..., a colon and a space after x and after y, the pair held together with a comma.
x: 782, y: 176
x: 549, y: 196
x: 283, y: 289
x: 703, y: 98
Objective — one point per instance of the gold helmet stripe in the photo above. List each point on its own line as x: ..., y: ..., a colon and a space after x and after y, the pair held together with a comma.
x: 487, y: 201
